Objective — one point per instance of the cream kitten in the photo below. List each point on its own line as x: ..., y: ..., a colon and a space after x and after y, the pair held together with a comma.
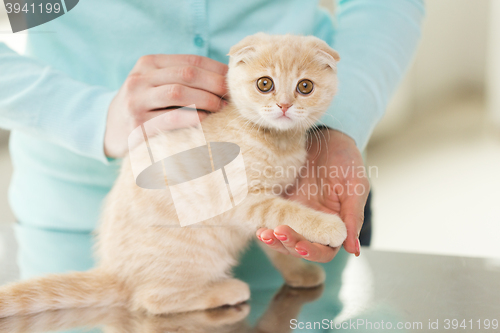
x: 279, y: 87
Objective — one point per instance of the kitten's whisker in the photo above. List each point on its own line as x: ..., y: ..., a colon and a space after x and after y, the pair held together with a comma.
x: 318, y: 139
x: 304, y: 128
x: 314, y: 130
x: 326, y: 141
x: 309, y: 141
x: 222, y: 97
x: 265, y: 137
x: 318, y: 132
x: 229, y: 123
x: 334, y: 119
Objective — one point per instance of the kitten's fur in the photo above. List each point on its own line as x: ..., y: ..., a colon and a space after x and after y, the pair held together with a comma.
x: 145, y: 264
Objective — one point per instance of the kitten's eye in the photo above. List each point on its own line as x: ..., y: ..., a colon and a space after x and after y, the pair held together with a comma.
x: 305, y: 87
x: 265, y: 84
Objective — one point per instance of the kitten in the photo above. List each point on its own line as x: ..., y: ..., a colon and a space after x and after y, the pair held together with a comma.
x: 279, y: 87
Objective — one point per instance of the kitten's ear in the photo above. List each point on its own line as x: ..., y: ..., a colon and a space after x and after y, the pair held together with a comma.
x: 329, y: 56
x: 242, y: 55
x: 245, y: 49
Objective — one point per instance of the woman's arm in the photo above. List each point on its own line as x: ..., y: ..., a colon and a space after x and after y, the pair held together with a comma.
x: 376, y: 40
x: 94, y: 121
x: 49, y: 104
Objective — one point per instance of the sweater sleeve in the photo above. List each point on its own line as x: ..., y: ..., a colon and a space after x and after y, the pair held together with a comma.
x: 48, y: 104
x: 376, y: 40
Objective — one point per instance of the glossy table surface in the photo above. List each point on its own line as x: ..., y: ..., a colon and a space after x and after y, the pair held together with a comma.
x: 377, y: 292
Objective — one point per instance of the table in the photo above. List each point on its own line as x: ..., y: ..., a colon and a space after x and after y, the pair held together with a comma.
x: 376, y: 292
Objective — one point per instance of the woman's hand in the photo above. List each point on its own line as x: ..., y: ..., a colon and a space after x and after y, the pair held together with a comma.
x: 158, y: 82
x: 343, y: 189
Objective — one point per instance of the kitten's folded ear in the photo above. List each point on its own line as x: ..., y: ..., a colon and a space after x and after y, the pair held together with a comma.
x: 328, y: 55
x: 246, y: 48
x: 242, y: 55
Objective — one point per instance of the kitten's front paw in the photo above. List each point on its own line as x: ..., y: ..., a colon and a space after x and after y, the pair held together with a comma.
x: 330, y: 230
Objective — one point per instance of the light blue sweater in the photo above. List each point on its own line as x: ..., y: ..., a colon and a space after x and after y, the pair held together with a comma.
x: 55, y: 98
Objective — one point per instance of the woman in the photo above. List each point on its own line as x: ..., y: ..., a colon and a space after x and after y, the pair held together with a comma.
x: 103, y: 68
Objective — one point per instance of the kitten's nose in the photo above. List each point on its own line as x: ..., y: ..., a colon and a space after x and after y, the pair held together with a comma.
x: 284, y: 107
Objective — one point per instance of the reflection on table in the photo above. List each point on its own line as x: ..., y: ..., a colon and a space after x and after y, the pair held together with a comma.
x: 376, y: 292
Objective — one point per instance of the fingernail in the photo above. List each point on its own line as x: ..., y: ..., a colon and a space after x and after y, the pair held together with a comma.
x: 267, y: 241
x: 358, y: 248
x: 280, y: 237
x: 259, y: 238
x: 301, y: 252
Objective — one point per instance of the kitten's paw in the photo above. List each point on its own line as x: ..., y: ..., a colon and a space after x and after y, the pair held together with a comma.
x: 220, y: 293
x: 227, y: 292
x: 308, y: 275
x: 330, y: 230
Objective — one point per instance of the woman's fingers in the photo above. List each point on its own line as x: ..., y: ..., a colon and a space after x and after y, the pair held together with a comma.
x: 164, y: 60
x: 154, y: 61
x: 352, y: 213
x: 316, y: 252
x: 289, y: 238
x: 285, y: 240
x: 150, y: 89
x: 267, y: 237
x: 161, y: 81
x: 282, y: 237
x: 179, y: 95
x: 259, y: 232
x: 190, y: 76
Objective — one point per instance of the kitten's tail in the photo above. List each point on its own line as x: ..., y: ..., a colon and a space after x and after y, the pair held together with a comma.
x: 61, y: 291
